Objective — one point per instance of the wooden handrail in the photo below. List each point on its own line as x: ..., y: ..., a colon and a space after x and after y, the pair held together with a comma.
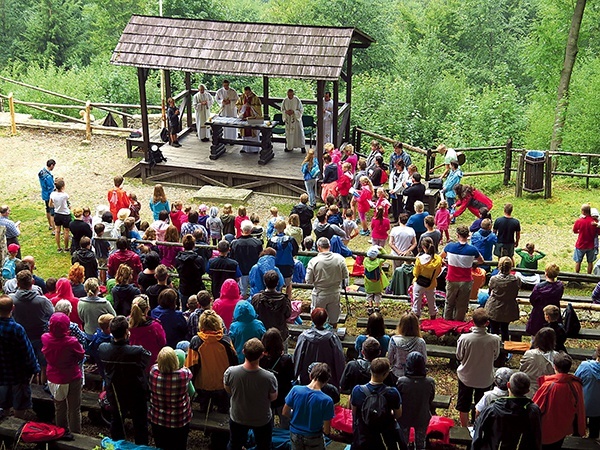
x: 392, y: 141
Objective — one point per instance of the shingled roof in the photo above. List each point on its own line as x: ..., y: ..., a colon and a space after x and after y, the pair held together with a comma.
x: 236, y: 48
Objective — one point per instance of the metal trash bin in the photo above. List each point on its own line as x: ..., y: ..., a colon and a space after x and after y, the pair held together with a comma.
x: 534, y: 171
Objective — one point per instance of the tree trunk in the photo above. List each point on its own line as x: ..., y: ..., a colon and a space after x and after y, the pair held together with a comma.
x: 562, y: 100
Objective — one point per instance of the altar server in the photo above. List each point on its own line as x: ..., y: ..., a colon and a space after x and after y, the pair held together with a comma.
x: 202, y: 102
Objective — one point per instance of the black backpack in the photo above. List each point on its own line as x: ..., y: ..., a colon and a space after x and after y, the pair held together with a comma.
x: 571, y: 321
x: 374, y: 411
x: 155, y: 156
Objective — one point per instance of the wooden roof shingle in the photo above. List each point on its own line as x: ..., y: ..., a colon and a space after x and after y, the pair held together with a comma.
x: 236, y: 48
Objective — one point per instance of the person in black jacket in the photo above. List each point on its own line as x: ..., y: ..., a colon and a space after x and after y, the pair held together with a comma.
x: 78, y: 229
x: 246, y: 250
x: 513, y: 422
x: 416, y: 191
x: 273, y: 307
x: 126, y: 382
x: 305, y: 213
x: 190, y: 266
x: 358, y: 372
x: 86, y: 257
x: 173, y: 118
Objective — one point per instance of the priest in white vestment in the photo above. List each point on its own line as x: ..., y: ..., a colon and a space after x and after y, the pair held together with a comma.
x: 226, y: 98
x: 328, y: 119
x: 249, y: 107
x: 292, y: 110
x: 202, y: 102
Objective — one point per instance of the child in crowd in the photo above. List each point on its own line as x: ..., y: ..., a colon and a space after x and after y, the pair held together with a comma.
x: 177, y: 216
x: 149, y: 235
x: 101, y: 336
x: 159, y: 202
x: 192, y: 305
x: 375, y: 278
x: 135, y: 207
x: 275, y: 217
x: 117, y: 197
x: 308, y: 245
x: 380, y: 227
x: 382, y: 200
x: 484, y: 213
x: 417, y: 220
x: 334, y: 216
x: 435, y: 235
x: 553, y: 320
x: 442, y: 219
x: 529, y: 257
x: 202, y: 215
x: 257, y: 230
x: 484, y: 240
x: 8, y: 268
x: 363, y: 201
x: 344, y: 185
x: 244, y: 327
x: 214, y: 225
x: 169, y: 252
x: 241, y: 216
x: 293, y: 228
x: 143, y: 226
x: 330, y: 200
x: 227, y: 219
x: 349, y: 226
x: 330, y: 177
x: 87, y: 216
x: 50, y: 287
x: 101, y: 249
x: 161, y: 225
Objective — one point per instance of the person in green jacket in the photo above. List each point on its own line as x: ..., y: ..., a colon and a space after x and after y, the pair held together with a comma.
x: 529, y: 257
x: 375, y: 278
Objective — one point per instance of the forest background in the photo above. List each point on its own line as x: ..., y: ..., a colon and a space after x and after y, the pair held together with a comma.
x: 463, y: 72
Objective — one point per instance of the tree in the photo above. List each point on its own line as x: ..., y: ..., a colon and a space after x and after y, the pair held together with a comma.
x: 562, y: 99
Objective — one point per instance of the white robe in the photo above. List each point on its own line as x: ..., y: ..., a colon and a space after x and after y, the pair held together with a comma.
x: 294, y: 130
x: 227, y: 110
x: 328, y: 122
x: 202, y: 113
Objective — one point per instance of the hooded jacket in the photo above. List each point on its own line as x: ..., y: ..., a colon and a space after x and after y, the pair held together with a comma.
x: 151, y: 336
x: 319, y: 345
x: 264, y: 264
x: 245, y: 326
x: 125, y: 366
x: 209, y: 356
x: 535, y: 364
x: 513, y: 423
x: 87, y: 259
x: 543, y: 294
x: 246, y: 251
x: 417, y: 391
x: 63, y: 352
x: 273, y: 309
x: 589, y: 373
x: 484, y: 241
x: 560, y: 398
x: 399, y: 349
x: 64, y: 291
x: 305, y: 213
x: 32, y: 311
x: 89, y: 309
x: 190, y: 267
x: 502, y: 305
x: 225, y: 304
x: 429, y: 267
x: 172, y: 322
x: 326, y: 271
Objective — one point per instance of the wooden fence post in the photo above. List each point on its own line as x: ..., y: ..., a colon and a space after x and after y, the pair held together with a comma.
x: 508, y: 161
x: 11, y: 107
x: 88, y: 122
x: 548, y: 176
x: 520, y: 175
x: 427, y: 165
x: 358, y: 140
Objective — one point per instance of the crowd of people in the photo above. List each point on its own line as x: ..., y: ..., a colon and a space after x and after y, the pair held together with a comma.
x: 161, y: 345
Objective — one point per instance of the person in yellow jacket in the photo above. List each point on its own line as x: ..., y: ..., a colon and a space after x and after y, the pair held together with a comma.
x: 375, y: 279
x: 428, y: 266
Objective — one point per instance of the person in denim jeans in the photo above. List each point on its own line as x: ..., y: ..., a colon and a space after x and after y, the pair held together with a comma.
x: 310, y: 411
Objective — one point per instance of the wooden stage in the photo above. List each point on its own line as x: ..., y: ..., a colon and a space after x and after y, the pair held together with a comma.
x: 190, y: 166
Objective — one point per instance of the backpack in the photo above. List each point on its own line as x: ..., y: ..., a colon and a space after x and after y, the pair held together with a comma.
x: 155, y: 156
x: 374, y: 409
x: 39, y: 432
x: 571, y: 321
x: 164, y: 135
x: 384, y: 177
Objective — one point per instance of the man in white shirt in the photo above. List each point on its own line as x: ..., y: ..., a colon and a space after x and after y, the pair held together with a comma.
x: 292, y: 110
x: 226, y: 98
x: 202, y: 102
x: 403, y: 239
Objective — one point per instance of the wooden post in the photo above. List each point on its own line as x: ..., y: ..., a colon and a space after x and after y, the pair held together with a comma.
x: 348, y: 91
x: 427, y: 164
x: 188, y: 98
x: 320, y: 117
x: 168, y: 92
x: 266, y: 97
x: 88, y: 122
x: 548, y: 176
x: 520, y: 175
x: 507, y: 161
x: 142, y: 77
x: 11, y: 107
x: 587, y: 179
x: 358, y: 140
x: 124, y: 117
x: 336, y: 106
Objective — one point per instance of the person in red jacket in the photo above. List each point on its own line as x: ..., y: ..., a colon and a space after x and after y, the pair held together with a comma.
x: 117, y: 197
x: 586, y: 229
x: 124, y: 255
x: 344, y: 184
x: 560, y: 399
x: 467, y: 197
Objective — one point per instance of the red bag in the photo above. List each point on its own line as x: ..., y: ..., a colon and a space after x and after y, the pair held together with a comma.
x: 40, y: 432
x: 342, y: 420
x: 358, y: 270
x: 439, y: 428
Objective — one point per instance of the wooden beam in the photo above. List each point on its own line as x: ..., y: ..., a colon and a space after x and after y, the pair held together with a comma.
x: 142, y: 77
x: 206, y: 179
x: 507, y: 162
x: 291, y: 187
x: 188, y: 96
x: 266, y: 97
x: 168, y: 92
x: 348, y: 92
x: 161, y: 176
x: 253, y: 184
x: 336, y: 105
x: 320, y: 119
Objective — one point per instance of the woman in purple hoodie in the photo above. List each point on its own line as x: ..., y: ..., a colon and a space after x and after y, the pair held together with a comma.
x: 546, y: 293
x: 64, y: 354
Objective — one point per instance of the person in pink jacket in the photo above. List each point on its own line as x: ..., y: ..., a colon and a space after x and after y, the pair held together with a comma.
x: 225, y: 304
x: 64, y: 355
x: 146, y: 331
x: 364, y: 196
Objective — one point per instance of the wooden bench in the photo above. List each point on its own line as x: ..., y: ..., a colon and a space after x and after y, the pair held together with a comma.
x: 461, y: 436
x: 10, y: 425
x: 306, y: 318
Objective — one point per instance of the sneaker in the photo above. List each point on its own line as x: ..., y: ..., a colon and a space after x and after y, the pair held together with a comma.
x: 287, y: 150
x: 303, y: 150
x: 369, y: 310
x: 60, y: 250
x: 363, y: 232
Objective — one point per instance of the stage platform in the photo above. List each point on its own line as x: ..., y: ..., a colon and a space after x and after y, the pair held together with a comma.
x: 190, y: 166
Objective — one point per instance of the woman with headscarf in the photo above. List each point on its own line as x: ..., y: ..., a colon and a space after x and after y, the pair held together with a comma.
x: 64, y: 291
x: 202, y: 102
